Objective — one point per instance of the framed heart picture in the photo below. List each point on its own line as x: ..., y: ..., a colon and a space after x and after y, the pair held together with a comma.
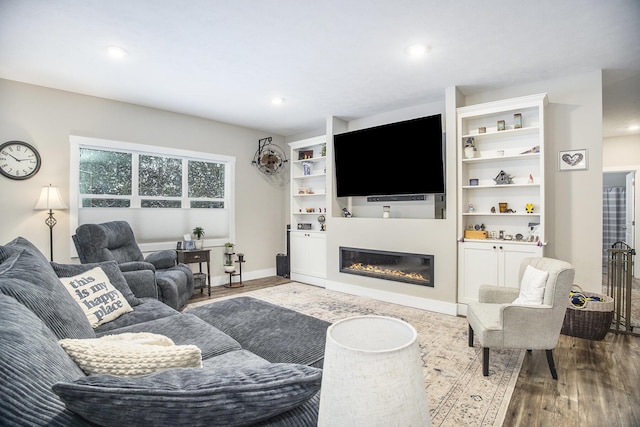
x: 572, y: 160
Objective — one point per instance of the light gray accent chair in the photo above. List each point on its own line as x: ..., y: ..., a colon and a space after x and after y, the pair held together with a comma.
x: 497, y: 323
x: 115, y: 241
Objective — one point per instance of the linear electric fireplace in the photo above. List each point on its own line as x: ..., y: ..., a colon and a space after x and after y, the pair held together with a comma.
x: 397, y: 266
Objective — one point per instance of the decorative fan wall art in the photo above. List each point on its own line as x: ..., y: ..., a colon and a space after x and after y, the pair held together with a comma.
x: 269, y: 159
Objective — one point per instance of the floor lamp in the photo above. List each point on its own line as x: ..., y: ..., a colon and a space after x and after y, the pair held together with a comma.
x: 50, y: 199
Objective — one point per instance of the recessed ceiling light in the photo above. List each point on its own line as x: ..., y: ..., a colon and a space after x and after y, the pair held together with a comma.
x: 417, y: 50
x: 276, y: 100
x: 116, y: 52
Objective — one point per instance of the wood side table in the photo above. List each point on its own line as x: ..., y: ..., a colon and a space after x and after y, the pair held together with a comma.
x: 197, y: 256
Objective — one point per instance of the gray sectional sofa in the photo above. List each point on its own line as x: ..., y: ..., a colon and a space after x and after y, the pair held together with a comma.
x: 261, y: 364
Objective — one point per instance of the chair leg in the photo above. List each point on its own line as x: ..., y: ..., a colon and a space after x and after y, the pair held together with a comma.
x: 552, y: 364
x: 485, y: 361
x: 470, y: 336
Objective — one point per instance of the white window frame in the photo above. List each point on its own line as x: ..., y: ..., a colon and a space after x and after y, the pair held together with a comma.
x: 78, y: 142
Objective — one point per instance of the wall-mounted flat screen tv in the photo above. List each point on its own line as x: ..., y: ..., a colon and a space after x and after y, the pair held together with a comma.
x: 398, y: 158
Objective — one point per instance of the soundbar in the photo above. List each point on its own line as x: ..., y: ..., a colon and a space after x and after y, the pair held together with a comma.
x: 399, y: 198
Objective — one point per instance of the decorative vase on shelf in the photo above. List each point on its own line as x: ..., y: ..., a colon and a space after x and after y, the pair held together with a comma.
x: 469, y: 152
x: 229, y: 268
x: 199, y: 244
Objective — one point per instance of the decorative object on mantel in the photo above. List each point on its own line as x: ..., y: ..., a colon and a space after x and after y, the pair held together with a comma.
x: 321, y: 220
x: 269, y: 158
x: 469, y: 148
x: 517, y: 121
x: 503, y: 178
x: 532, y: 150
x: 50, y: 199
x: 572, y: 160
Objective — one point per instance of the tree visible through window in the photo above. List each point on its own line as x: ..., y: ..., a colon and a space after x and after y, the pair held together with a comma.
x: 106, y: 179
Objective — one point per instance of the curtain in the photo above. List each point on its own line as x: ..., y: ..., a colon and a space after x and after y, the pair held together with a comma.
x: 613, y: 219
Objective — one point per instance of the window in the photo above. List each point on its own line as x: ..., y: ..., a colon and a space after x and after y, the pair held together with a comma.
x: 163, y: 193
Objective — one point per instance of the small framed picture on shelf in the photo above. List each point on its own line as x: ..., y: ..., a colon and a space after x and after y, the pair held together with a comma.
x: 189, y: 245
x: 305, y: 154
x: 571, y: 160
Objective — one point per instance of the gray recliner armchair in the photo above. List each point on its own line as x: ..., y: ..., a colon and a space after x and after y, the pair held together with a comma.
x: 499, y: 323
x: 115, y: 241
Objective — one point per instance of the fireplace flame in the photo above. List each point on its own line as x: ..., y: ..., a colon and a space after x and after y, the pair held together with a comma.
x: 385, y: 271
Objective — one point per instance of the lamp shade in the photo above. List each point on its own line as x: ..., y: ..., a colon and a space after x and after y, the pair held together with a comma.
x: 372, y: 375
x: 50, y: 198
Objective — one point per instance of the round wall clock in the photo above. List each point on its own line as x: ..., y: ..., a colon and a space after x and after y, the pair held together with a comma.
x: 19, y: 160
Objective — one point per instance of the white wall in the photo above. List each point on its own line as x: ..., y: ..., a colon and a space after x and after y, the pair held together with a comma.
x: 46, y: 117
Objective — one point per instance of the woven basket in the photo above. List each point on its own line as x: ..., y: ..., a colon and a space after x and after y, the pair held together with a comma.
x: 590, y: 321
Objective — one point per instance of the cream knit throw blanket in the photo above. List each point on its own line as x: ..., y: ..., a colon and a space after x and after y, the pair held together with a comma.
x: 130, y: 354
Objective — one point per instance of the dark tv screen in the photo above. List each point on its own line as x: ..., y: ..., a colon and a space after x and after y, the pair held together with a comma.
x: 399, y: 158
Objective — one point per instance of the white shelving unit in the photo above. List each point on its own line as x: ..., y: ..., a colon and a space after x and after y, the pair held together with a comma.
x: 518, y: 152
x: 309, y: 203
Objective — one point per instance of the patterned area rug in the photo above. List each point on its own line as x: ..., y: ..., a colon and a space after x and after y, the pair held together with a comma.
x: 457, y: 392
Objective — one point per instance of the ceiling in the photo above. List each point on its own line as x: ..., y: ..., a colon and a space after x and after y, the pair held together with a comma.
x: 225, y: 60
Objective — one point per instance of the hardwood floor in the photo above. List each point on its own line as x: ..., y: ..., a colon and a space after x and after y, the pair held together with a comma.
x: 249, y: 285
x: 598, y: 385
x: 598, y: 381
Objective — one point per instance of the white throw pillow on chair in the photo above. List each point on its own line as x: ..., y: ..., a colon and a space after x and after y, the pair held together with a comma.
x: 532, y: 286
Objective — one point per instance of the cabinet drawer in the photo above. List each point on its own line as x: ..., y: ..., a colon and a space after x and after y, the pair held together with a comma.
x: 196, y: 256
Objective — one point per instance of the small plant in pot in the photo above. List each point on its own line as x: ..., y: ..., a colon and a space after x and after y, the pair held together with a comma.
x: 229, y: 267
x: 228, y: 248
x: 198, y: 233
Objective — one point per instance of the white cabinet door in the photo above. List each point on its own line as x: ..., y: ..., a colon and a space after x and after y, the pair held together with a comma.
x: 509, y: 259
x: 317, y: 255
x: 477, y: 266
x: 490, y: 263
x: 298, y: 252
x: 308, y: 253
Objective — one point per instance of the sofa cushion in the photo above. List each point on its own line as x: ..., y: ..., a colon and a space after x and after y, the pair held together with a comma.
x: 110, y: 268
x: 31, y: 361
x: 193, y: 397
x: 188, y: 329
x: 100, y: 301
x: 131, y: 354
x: 28, y: 277
x: 275, y: 333
x: 149, y: 309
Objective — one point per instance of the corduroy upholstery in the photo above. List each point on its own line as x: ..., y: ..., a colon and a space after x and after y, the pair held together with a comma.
x: 115, y: 241
x: 497, y: 323
x: 35, y: 371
